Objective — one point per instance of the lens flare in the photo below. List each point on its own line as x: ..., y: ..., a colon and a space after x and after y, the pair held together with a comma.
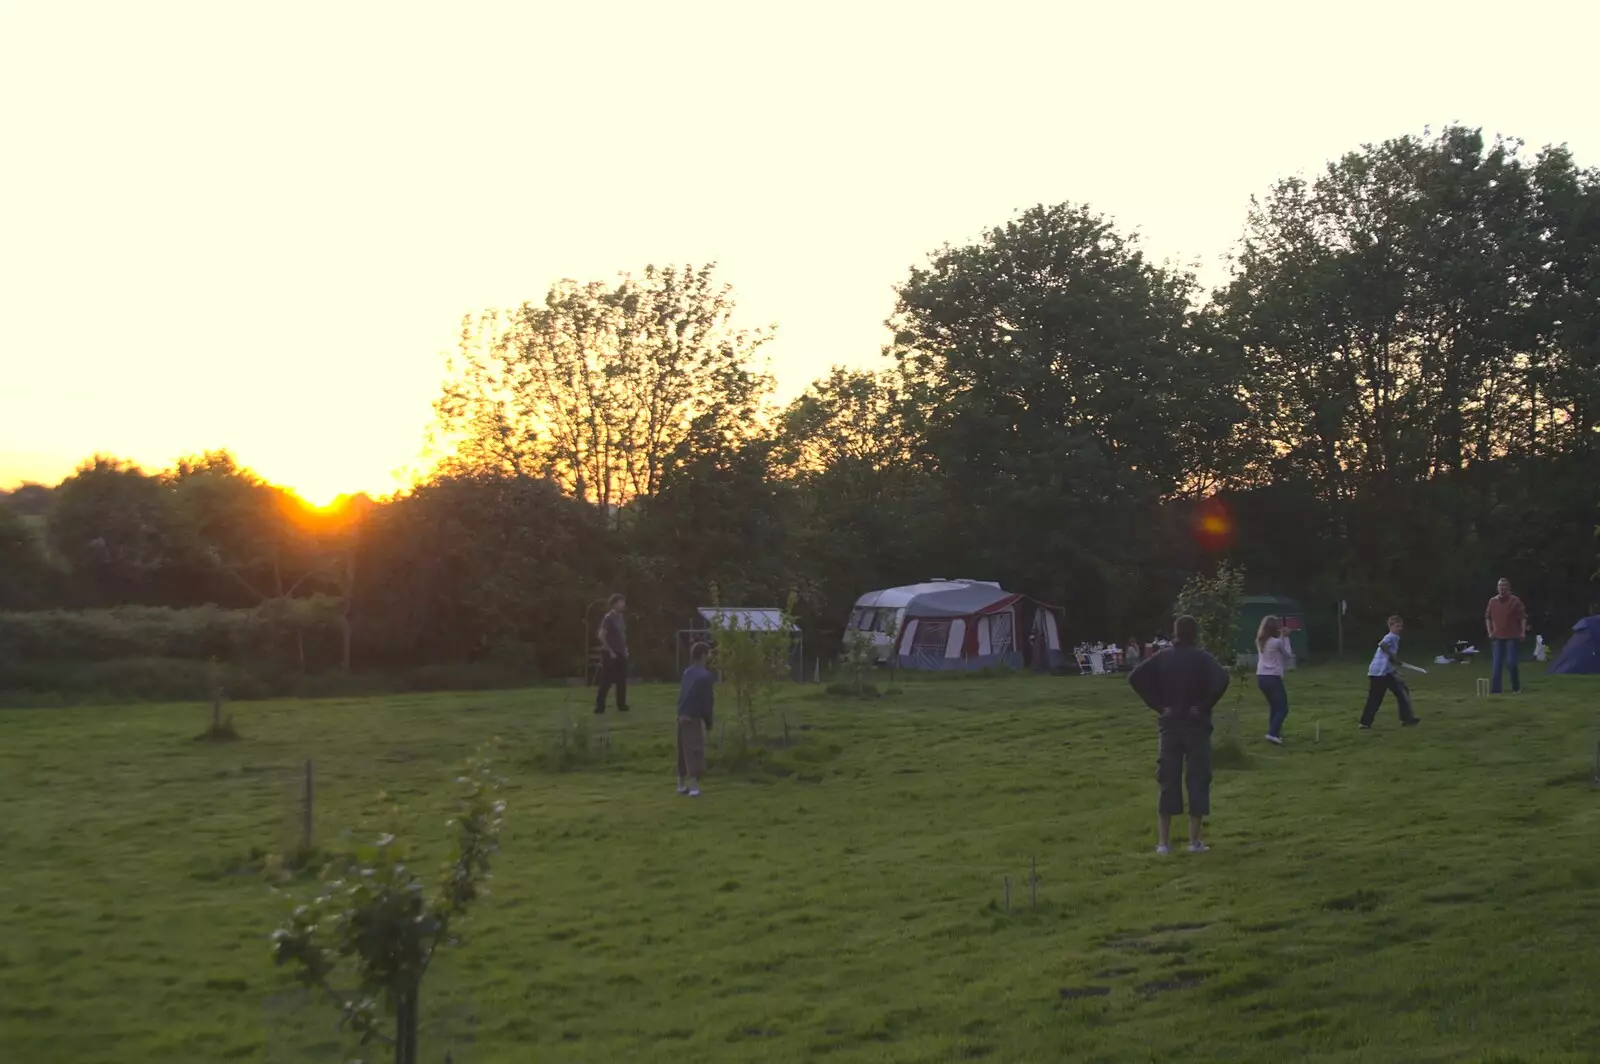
x: 1213, y: 526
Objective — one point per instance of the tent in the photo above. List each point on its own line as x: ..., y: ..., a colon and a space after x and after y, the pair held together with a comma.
x: 960, y: 624
x: 1252, y: 608
x: 1581, y: 655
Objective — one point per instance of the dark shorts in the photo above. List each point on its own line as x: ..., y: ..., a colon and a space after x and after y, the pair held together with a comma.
x: 1183, y: 762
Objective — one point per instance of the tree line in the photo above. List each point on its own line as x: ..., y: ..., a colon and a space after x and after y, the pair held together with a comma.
x: 1393, y: 400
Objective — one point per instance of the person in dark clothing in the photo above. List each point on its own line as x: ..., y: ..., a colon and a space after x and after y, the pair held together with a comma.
x: 613, y: 654
x: 1183, y: 684
x: 696, y: 702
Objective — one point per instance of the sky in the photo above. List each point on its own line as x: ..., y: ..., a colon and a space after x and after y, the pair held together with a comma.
x: 256, y: 226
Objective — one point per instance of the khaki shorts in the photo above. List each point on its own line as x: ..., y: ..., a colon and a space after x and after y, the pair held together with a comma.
x: 691, y: 748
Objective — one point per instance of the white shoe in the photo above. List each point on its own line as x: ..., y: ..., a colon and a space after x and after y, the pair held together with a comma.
x: 1198, y: 847
x: 682, y: 789
x: 1163, y: 850
x: 1275, y: 740
x: 694, y: 794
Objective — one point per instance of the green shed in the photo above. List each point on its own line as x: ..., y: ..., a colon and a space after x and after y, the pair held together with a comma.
x: 1254, y: 607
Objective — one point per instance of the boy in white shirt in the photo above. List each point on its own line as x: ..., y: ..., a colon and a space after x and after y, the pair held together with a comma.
x: 1381, y: 677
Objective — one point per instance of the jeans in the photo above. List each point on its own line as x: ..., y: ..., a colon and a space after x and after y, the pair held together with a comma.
x: 1184, y: 749
x: 1505, y: 652
x: 1277, y: 703
x: 613, y: 670
x: 1376, y: 687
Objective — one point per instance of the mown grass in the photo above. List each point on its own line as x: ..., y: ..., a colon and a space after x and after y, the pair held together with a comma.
x: 1417, y: 895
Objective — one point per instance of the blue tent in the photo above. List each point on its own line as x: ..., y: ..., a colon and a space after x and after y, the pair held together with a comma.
x: 1582, y: 652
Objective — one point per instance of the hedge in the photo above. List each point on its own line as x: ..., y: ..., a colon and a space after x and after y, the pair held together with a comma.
x: 263, y: 635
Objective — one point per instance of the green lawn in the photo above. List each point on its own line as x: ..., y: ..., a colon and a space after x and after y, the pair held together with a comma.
x: 1420, y: 895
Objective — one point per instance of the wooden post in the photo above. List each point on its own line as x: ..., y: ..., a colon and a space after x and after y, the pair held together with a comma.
x: 1008, y: 894
x: 308, y: 813
x: 1033, y: 882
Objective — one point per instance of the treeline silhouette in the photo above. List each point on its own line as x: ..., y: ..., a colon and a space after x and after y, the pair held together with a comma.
x: 1394, y: 401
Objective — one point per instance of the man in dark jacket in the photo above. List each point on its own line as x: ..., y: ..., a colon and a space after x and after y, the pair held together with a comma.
x: 1182, y: 684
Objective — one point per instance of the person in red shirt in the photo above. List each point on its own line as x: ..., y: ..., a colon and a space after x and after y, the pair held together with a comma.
x: 1506, y: 619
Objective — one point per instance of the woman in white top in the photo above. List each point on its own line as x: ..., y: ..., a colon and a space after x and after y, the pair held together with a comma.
x: 1274, y: 654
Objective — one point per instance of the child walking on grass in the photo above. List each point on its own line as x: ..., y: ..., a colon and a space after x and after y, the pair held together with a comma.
x: 1382, y: 677
x: 1273, y: 655
x: 695, y: 703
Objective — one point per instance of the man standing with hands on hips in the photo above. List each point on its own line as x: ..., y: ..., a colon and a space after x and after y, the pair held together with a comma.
x: 1182, y: 684
x: 1506, y: 618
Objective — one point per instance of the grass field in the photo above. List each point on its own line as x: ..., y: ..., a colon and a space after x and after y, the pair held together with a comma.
x: 1419, y: 895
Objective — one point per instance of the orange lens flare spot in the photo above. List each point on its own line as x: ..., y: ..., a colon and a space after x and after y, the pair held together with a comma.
x: 1213, y: 526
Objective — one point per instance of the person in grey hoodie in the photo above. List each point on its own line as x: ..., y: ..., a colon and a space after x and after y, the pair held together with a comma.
x: 1183, y: 684
x: 696, y: 702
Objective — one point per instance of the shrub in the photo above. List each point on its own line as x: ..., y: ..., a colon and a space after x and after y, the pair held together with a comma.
x: 1214, y: 602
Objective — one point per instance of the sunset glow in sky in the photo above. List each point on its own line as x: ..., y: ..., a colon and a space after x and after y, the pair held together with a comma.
x: 257, y: 225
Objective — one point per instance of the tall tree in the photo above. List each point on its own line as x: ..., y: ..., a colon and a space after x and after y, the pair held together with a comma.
x: 248, y: 535
x: 117, y: 531
x: 1565, y: 286
x: 601, y: 385
x: 25, y: 572
x: 1059, y: 383
x: 1384, y: 309
x: 480, y: 568
x: 861, y: 508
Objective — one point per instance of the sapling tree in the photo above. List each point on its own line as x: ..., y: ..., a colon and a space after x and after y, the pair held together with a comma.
x: 751, y: 660
x: 376, y: 926
x: 1214, y: 602
x: 891, y: 629
x: 860, y: 654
